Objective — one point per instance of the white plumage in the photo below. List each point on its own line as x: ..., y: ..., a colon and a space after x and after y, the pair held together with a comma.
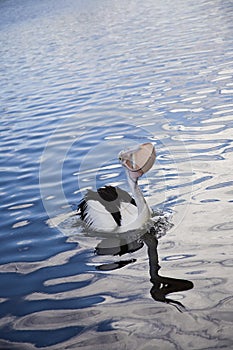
x: 113, y: 209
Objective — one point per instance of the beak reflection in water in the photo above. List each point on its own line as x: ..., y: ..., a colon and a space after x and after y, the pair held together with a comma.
x: 161, y: 285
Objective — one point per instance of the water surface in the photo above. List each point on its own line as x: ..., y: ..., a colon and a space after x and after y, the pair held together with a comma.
x: 80, y: 81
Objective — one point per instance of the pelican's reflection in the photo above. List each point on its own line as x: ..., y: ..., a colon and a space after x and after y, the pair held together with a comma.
x: 161, y: 285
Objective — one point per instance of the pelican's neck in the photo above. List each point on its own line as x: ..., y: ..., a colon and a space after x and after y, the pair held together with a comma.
x: 138, y: 196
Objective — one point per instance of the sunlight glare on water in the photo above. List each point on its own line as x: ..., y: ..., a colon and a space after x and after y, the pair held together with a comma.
x: 80, y: 81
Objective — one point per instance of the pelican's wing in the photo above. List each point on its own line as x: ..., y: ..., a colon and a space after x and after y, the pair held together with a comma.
x: 107, y: 208
x: 94, y: 214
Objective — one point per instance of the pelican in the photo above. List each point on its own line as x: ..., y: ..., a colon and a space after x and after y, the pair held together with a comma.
x: 113, y: 209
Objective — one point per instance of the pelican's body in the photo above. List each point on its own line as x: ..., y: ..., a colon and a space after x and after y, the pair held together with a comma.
x: 113, y: 209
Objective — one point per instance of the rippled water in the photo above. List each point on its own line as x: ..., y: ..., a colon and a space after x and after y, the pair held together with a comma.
x: 80, y: 81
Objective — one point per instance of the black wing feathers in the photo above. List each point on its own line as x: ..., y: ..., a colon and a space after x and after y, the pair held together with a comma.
x: 110, y: 197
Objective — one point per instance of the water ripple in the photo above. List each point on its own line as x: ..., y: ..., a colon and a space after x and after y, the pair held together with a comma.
x: 80, y: 81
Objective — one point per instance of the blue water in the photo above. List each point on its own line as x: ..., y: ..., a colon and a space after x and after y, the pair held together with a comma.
x: 80, y: 81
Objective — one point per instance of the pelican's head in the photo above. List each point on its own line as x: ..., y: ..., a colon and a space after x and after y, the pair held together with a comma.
x: 138, y: 160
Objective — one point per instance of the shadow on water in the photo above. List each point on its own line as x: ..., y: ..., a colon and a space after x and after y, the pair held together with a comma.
x: 161, y: 285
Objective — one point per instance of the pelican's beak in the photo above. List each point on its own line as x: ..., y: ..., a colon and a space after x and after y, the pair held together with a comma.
x: 138, y: 160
